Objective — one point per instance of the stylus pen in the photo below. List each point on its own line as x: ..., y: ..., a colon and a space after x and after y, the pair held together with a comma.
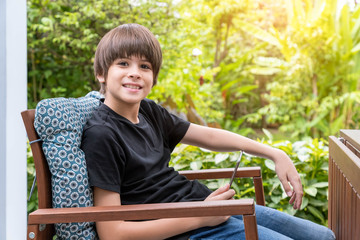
x: 236, y: 168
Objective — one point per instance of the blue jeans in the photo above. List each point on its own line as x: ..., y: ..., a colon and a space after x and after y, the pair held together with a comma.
x: 272, y: 225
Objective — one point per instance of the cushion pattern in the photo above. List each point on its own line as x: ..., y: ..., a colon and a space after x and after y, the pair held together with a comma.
x: 59, y: 123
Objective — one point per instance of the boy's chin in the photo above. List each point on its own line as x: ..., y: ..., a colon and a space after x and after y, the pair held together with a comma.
x: 133, y: 99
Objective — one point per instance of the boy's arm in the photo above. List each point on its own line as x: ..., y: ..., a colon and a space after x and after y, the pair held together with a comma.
x: 156, y: 229
x: 224, y: 141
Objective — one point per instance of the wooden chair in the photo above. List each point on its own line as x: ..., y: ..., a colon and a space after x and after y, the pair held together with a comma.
x: 344, y: 185
x: 40, y: 222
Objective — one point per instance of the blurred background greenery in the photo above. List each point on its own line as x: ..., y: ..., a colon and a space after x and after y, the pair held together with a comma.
x: 283, y: 72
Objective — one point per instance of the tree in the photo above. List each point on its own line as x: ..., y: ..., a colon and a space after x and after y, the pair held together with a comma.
x: 62, y: 39
x: 316, y: 83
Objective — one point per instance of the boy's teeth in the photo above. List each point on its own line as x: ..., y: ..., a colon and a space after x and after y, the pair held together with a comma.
x: 132, y: 86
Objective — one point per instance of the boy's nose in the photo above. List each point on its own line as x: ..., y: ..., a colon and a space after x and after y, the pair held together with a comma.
x: 134, y: 74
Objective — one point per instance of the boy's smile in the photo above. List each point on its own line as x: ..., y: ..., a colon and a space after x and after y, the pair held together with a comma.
x: 131, y: 86
x: 129, y: 80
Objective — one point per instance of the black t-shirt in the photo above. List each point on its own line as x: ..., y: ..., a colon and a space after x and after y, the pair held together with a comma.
x: 132, y: 159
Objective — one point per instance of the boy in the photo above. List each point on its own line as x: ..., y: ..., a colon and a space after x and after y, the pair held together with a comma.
x: 129, y: 140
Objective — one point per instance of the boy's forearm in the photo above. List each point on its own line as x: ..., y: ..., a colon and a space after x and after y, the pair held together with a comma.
x: 155, y: 229
x: 222, y: 140
x: 225, y: 141
x: 161, y: 228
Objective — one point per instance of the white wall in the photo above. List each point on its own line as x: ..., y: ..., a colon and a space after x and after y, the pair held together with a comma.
x: 13, y: 100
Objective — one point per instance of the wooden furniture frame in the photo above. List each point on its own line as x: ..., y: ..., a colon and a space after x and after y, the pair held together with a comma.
x: 40, y: 222
x: 344, y: 185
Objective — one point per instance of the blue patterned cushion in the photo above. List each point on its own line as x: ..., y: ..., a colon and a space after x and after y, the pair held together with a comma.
x: 59, y: 123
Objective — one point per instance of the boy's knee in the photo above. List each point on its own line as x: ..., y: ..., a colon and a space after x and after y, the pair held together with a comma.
x: 329, y: 234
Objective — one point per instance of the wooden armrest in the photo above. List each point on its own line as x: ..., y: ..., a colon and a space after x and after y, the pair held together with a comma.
x: 222, y: 173
x: 254, y: 172
x: 143, y: 211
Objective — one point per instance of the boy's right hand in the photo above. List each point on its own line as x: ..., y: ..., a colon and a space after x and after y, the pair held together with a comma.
x: 223, y: 193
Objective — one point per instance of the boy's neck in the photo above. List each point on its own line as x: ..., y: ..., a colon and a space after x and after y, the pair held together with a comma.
x: 130, y: 112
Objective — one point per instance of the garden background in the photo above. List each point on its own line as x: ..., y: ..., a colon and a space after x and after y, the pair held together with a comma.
x: 283, y: 72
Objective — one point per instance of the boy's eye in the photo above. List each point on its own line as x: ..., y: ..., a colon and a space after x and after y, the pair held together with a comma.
x: 146, y: 66
x: 123, y: 63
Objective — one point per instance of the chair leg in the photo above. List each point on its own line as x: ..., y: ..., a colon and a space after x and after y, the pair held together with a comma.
x: 32, y: 232
x: 259, y: 191
x: 251, y: 232
x: 39, y: 232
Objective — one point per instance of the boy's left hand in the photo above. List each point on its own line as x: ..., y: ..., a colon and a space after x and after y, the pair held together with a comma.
x: 287, y: 173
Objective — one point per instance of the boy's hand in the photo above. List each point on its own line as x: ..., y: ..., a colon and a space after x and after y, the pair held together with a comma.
x: 223, y: 193
x: 287, y: 173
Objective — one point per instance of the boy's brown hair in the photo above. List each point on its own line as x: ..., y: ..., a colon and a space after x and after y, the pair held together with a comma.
x: 124, y: 41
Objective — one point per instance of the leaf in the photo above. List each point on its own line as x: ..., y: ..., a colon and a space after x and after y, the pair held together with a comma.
x: 47, y: 73
x: 230, y: 84
x: 303, y: 157
x: 305, y: 202
x: 337, y: 125
x: 275, y: 199
x: 239, y: 101
x: 264, y: 70
x: 31, y: 171
x: 290, y: 210
x: 196, y: 165
x: 312, y: 191
x: 317, y: 203
x: 345, y: 28
x: 246, y: 191
x: 246, y: 88
x: 269, y: 62
x: 213, y: 185
x: 320, y: 184
x: 31, y: 206
x: 179, y: 167
x: 205, y: 150
x: 270, y: 164
x: 356, y: 48
x: 259, y: 33
x: 47, y: 21
x: 355, y: 29
x: 316, y: 213
x: 268, y: 134
x: 220, y: 157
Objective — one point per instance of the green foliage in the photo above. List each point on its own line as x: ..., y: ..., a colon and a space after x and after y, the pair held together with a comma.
x: 293, y: 65
x: 315, y: 84
x: 310, y: 158
x: 62, y: 39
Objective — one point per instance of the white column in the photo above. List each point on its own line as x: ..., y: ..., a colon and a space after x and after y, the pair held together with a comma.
x: 13, y: 100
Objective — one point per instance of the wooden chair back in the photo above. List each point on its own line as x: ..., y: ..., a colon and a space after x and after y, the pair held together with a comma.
x: 344, y: 185
x: 43, y: 175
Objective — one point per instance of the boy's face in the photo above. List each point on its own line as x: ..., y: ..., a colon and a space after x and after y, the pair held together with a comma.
x: 129, y: 80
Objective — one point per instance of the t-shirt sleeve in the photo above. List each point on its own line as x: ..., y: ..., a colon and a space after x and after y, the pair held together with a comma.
x: 175, y: 127
x: 104, y: 158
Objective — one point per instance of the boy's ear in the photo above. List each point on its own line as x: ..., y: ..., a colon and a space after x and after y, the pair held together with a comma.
x: 100, y: 78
